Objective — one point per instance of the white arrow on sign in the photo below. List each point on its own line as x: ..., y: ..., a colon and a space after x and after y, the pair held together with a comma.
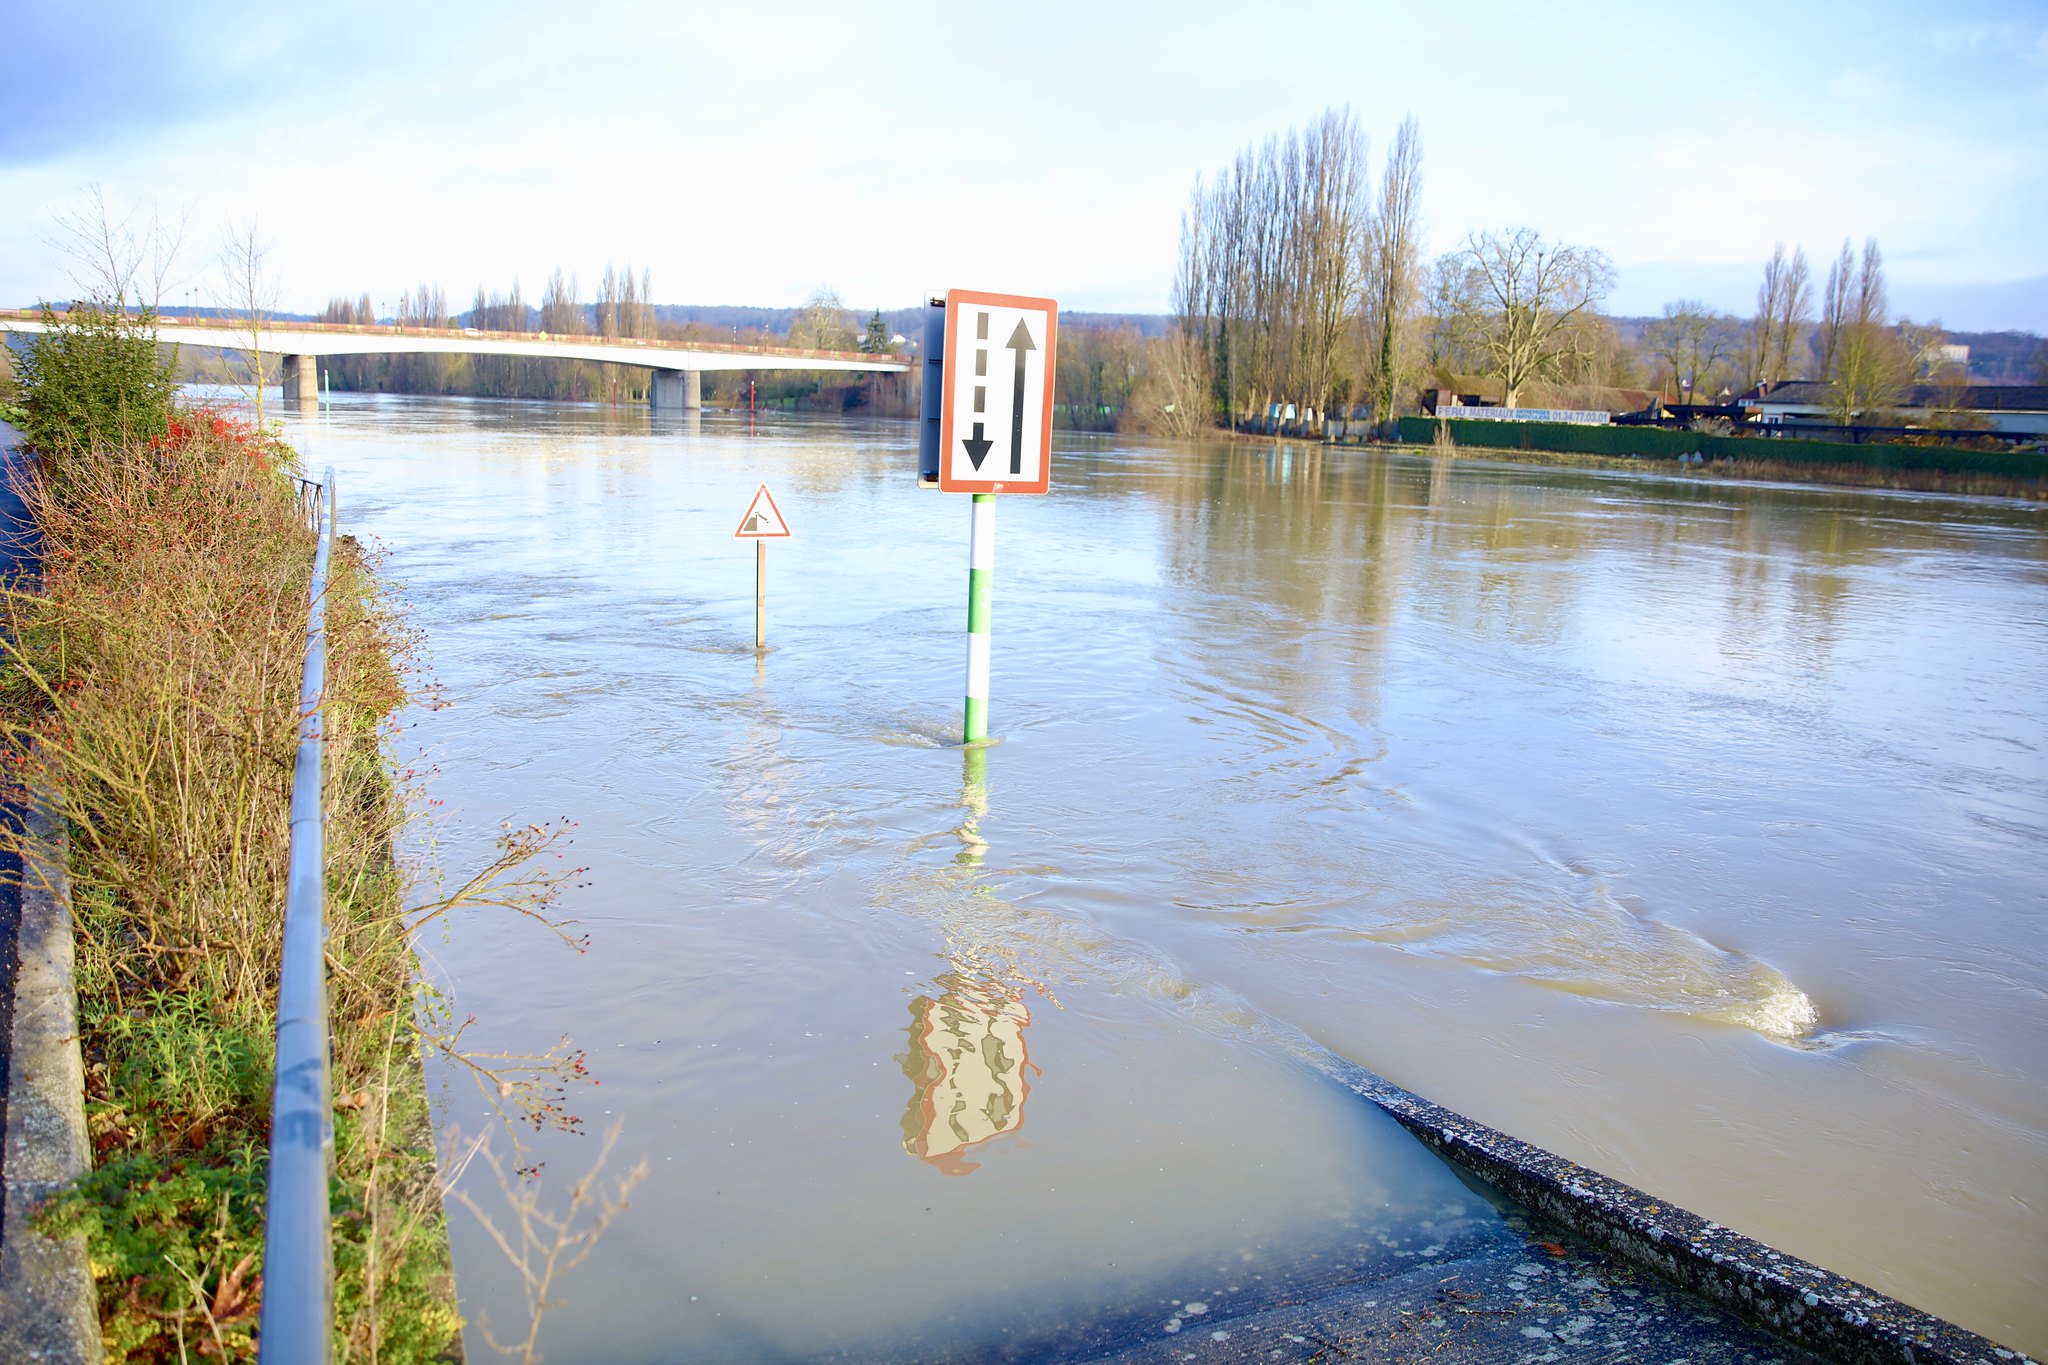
x: 763, y: 519
x: 995, y: 426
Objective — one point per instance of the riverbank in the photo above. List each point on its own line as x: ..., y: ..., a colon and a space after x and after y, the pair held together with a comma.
x: 1923, y: 469
x: 1763, y: 471
x: 150, y: 687
x: 1841, y: 475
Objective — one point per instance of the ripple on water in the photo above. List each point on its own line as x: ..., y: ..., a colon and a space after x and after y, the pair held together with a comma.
x: 1575, y: 935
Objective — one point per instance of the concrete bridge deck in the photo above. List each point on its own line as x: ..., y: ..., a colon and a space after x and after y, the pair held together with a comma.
x: 676, y: 365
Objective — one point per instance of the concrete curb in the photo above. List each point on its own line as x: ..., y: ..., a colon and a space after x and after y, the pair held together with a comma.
x: 1829, y: 1315
x: 47, y: 1306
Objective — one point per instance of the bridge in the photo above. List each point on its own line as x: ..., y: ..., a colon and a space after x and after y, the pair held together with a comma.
x: 678, y: 366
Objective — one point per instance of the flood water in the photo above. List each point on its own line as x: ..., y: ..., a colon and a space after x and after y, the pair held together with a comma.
x: 1698, y: 832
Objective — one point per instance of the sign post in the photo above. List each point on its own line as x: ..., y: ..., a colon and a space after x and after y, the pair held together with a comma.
x: 981, y: 588
x: 761, y: 523
x: 995, y: 436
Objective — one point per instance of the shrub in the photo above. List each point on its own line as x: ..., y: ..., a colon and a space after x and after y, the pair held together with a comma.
x: 94, y: 381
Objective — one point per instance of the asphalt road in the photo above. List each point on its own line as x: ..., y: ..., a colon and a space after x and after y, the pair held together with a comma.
x: 17, y: 556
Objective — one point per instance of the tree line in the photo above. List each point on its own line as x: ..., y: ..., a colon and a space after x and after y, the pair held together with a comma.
x: 1853, y: 344
x: 1299, y: 281
x: 1294, y: 280
x: 624, y: 307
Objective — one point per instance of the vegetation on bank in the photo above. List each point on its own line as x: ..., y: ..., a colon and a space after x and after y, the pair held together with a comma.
x: 149, y: 693
x: 1923, y: 468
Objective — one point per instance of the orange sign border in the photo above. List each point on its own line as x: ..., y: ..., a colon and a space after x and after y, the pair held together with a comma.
x: 744, y: 534
x: 1051, y: 308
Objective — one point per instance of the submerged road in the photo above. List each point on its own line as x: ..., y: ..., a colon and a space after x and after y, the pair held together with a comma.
x: 1552, y: 795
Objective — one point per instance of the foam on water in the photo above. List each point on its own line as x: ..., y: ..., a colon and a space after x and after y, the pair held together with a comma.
x: 1564, y: 928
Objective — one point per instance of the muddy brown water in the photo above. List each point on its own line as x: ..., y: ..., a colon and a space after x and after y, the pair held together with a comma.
x: 1697, y: 831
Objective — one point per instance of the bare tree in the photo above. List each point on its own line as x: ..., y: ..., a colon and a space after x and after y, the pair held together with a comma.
x: 1334, y: 222
x: 1783, y: 303
x: 121, y: 263
x: 1178, y: 394
x: 823, y: 324
x: 1183, y: 365
x: 1518, y: 299
x: 560, y: 313
x: 1598, y: 359
x: 1273, y: 252
x: 1867, y: 362
x: 425, y: 307
x: 248, y: 296
x: 1687, y: 343
x: 1835, y: 311
x: 1393, y: 273
x: 1445, y: 345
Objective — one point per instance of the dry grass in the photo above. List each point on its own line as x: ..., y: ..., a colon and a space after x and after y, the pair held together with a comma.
x: 158, y: 670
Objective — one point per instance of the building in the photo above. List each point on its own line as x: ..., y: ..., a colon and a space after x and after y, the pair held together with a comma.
x: 2007, y: 409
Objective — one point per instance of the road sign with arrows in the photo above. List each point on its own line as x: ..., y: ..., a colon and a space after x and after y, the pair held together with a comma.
x: 995, y: 428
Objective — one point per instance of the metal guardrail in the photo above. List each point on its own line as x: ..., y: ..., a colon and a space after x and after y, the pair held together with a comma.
x: 298, y: 1258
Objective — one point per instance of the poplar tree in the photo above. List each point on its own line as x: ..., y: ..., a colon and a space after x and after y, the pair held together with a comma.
x: 1393, y: 270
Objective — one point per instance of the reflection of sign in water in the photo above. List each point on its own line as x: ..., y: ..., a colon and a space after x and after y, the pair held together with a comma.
x: 968, y: 1062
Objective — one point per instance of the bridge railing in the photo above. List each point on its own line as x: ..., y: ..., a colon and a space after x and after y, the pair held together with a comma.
x: 298, y: 1259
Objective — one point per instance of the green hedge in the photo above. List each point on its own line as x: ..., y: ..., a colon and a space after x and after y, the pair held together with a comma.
x: 1658, y: 443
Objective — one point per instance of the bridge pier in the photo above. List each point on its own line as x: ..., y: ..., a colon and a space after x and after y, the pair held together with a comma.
x: 681, y: 389
x: 301, y: 378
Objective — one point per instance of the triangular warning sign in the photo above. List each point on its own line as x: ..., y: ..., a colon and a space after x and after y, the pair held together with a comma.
x: 763, y: 518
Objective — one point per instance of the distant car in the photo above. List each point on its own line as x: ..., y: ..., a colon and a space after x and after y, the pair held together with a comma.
x: 471, y: 332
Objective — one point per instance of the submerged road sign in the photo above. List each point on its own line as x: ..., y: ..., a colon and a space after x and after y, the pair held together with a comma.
x: 763, y: 518
x: 762, y: 523
x: 995, y: 430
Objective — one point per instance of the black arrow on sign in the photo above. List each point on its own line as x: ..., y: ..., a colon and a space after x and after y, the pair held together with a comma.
x: 1020, y: 342
x: 977, y: 449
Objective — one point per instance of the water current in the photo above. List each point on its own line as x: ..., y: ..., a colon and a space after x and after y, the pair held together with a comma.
x: 1696, y: 830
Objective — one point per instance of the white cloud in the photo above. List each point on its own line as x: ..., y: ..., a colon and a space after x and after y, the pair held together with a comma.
x: 746, y: 156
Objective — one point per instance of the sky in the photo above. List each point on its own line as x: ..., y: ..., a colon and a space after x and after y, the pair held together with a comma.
x: 753, y: 153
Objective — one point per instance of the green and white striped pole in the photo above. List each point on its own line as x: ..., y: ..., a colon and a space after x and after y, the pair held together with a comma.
x: 981, y: 582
